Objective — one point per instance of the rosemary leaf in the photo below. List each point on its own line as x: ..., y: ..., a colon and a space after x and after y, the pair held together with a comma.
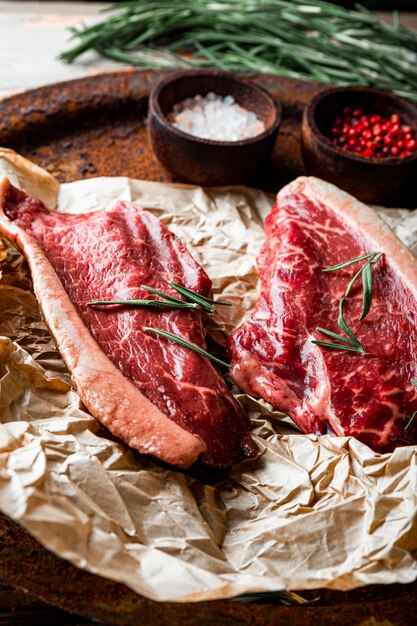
x: 197, y: 297
x: 378, y: 255
x: 344, y: 326
x: 353, y: 281
x: 288, y: 598
x: 186, y: 344
x: 163, y: 295
x: 367, y: 290
x: 193, y: 297
x: 294, y: 599
x: 366, y: 272
x: 336, y: 346
x: 147, y: 304
x: 183, y: 290
x: 329, y: 333
x: 340, y: 266
x: 410, y: 421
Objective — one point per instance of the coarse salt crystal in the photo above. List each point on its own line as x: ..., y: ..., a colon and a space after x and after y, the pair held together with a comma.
x: 215, y: 117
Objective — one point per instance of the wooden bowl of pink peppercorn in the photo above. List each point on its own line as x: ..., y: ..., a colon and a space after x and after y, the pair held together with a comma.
x: 362, y: 140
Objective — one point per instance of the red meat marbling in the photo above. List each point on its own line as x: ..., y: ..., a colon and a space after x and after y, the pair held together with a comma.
x: 159, y: 397
x: 313, y: 226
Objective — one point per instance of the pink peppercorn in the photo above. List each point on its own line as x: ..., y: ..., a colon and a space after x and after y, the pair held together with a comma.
x: 373, y: 135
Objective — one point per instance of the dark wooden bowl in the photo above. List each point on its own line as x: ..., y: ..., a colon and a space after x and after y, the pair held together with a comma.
x: 370, y: 179
x: 205, y: 161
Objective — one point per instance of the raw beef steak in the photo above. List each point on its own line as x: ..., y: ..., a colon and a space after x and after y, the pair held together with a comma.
x: 370, y: 395
x: 159, y: 397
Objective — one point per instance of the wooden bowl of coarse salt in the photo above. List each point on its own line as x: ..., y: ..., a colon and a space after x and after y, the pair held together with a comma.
x: 210, y: 127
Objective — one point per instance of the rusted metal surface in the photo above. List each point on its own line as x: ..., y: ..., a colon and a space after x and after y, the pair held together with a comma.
x: 25, y: 564
x: 19, y: 608
x: 97, y: 127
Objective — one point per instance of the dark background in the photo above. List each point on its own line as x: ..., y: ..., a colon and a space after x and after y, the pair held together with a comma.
x: 381, y: 5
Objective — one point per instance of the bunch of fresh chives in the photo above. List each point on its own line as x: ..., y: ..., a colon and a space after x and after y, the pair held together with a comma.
x: 298, y: 38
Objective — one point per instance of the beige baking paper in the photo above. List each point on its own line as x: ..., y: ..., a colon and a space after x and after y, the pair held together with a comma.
x: 311, y: 512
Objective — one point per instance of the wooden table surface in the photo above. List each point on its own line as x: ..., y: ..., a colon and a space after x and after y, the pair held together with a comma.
x: 32, y: 34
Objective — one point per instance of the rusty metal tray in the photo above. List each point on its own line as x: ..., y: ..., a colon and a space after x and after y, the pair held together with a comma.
x: 97, y: 127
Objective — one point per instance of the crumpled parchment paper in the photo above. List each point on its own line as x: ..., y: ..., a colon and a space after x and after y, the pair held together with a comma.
x: 310, y: 512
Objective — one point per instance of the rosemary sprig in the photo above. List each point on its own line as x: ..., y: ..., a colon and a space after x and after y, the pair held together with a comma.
x: 188, y: 292
x: 335, y: 346
x: 346, y: 329
x: 202, y: 301
x: 187, y: 344
x: 147, y: 304
x: 366, y: 272
x: 341, y: 266
x: 367, y: 289
x: 194, y: 297
x: 410, y: 421
x: 300, y: 38
x: 329, y: 333
x: 162, y: 294
x: 354, y: 345
x: 194, y: 300
x: 288, y: 598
